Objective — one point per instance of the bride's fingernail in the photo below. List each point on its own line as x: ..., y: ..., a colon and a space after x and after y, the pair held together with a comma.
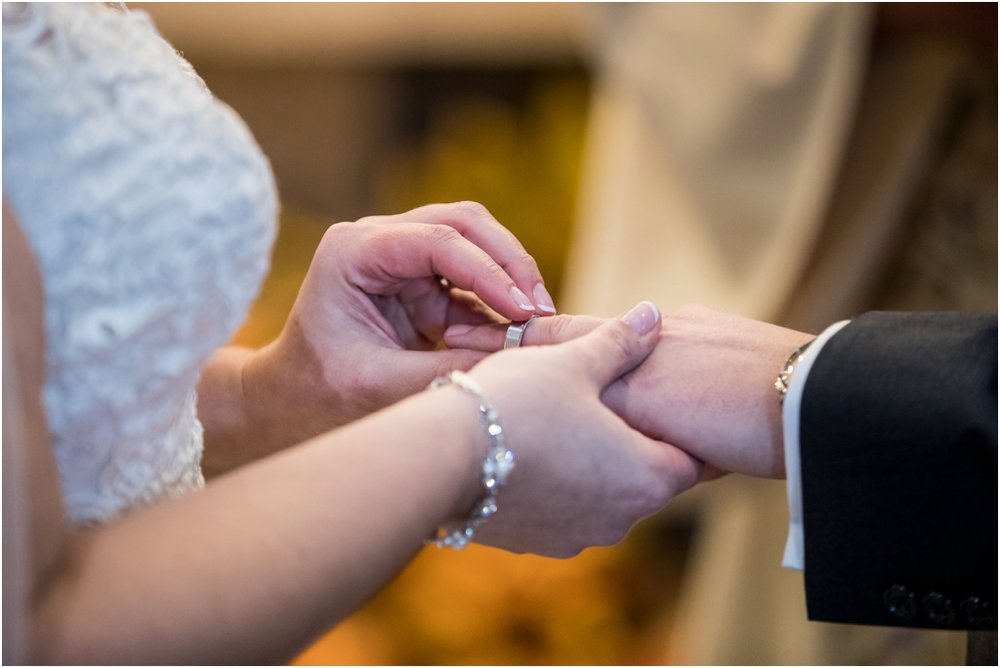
x: 522, y: 300
x: 543, y: 300
x: 643, y: 316
x: 458, y: 330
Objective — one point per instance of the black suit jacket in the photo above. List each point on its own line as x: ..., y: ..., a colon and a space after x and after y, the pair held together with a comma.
x: 899, y: 472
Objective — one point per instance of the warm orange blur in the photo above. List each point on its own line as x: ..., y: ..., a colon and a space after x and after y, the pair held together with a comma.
x: 378, y: 108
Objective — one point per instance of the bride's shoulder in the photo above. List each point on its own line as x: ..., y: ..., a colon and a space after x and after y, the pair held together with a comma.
x: 41, y: 23
x: 75, y: 33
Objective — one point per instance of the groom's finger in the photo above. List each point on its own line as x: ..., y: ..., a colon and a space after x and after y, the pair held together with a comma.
x: 539, y: 332
x: 431, y: 309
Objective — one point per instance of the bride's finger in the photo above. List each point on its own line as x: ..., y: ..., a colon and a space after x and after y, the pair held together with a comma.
x: 387, y: 257
x: 474, y: 222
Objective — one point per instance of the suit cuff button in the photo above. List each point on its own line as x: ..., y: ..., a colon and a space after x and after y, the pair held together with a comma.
x: 938, y: 608
x: 900, y: 601
x: 977, y: 611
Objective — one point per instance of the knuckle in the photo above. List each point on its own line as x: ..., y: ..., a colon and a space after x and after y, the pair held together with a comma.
x: 337, y: 231
x: 473, y: 210
x: 377, y: 219
x: 491, y: 273
x: 524, y: 258
x: 563, y: 327
x: 560, y: 327
x: 656, y: 491
x: 646, y: 495
x: 659, y: 493
x: 441, y: 235
x: 380, y: 241
x: 335, y: 240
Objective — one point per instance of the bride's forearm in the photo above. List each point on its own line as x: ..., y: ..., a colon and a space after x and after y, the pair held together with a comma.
x: 263, y: 559
x: 223, y: 412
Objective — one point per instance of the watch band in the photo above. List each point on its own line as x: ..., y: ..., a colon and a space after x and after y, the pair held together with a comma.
x: 787, y: 370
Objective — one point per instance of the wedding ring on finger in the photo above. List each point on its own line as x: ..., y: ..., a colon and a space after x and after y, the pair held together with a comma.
x: 515, y: 333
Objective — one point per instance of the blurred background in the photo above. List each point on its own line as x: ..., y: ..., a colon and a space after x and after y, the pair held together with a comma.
x: 797, y: 163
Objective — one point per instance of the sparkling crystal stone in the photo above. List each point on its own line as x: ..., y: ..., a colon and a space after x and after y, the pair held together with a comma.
x: 502, y: 463
x: 495, y: 430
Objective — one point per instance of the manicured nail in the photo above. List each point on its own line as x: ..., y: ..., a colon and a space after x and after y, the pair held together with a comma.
x: 522, y: 300
x: 458, y: 330
x: 543, y: 300
x: 643, y: 316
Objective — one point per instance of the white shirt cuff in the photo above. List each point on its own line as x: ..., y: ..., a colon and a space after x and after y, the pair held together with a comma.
x: 795, y: 545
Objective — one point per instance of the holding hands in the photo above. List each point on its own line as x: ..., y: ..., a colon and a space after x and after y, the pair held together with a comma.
x: 583, y: 476
x: 609, y: 419
x: 707, y: 387
x: 607, y: 427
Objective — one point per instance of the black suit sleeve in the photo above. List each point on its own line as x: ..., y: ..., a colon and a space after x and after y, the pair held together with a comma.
x: 899, y: 472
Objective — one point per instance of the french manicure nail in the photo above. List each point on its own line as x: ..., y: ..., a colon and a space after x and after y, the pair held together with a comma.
x: 522, y: 300
x: 543, y: 300
x: 643, y: 316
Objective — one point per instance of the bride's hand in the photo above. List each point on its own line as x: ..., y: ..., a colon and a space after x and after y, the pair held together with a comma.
x: 373, y: 307
x: 582, y: 477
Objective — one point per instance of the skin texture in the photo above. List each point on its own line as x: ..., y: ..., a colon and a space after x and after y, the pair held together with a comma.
x: 267, y: 556
x: 708, y: 387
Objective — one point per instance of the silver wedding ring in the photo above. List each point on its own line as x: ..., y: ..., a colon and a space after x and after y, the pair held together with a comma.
x: 515, y: 333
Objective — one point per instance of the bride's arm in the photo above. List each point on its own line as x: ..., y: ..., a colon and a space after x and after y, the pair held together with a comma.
x: 260, y: 562
x: 264, y: 558
x: 363, y: 330
x: 29, y: 476
x: 246, y: 571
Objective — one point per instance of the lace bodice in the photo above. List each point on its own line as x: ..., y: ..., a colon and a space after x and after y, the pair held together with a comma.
x: 151, y: 211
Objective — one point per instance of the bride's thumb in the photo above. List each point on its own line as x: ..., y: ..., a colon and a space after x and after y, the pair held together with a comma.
x: 619, y: 344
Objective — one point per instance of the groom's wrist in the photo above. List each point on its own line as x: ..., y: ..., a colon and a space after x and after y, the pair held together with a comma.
x: 783, y: 359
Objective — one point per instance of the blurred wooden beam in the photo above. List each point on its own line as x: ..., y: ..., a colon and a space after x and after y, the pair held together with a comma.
x: 370, y: 34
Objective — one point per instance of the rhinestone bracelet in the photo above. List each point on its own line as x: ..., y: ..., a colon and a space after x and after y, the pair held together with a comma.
x: 497, y: 465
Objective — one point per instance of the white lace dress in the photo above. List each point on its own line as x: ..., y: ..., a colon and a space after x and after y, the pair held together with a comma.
x: 151, y: 211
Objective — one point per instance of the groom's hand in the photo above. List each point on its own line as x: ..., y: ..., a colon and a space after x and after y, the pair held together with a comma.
x: 708, y: 386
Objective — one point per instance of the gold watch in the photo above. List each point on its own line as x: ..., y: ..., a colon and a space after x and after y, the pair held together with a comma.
x: 787, y: 369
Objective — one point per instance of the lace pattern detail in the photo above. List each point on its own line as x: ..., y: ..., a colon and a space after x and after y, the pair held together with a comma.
x: 151, y: 211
